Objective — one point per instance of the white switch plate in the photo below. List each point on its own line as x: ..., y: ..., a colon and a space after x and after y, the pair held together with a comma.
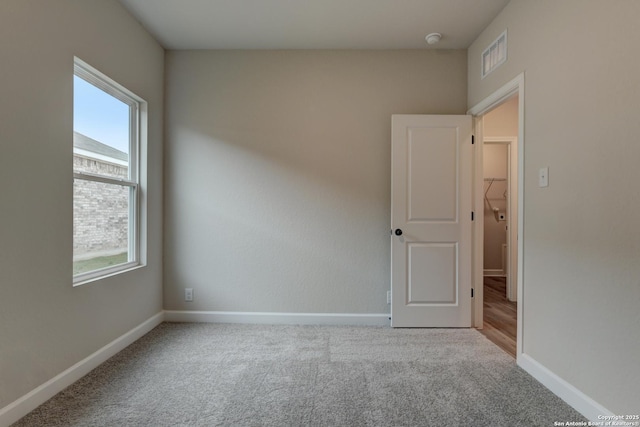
x: 188, y: 294
x: 543, y: 177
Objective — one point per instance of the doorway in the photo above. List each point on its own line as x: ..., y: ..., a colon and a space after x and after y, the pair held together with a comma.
x: 499, y: 171
x: 498, y: 276
x: 500, y: 192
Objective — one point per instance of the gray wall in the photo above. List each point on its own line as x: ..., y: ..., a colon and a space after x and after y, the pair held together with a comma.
x: 47, y: 325
x: 502, y: 120
x: 581, y: 250
x: 277, y: 183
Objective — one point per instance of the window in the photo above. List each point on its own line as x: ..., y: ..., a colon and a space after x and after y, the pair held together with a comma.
x: 106, y: 145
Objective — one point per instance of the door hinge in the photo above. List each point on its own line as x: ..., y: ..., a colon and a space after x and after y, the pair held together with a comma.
x: 472, y: 216
x: 473, y: 139
x: 471, y: 292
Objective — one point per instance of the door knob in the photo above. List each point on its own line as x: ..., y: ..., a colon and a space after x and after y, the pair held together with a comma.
x: 398, y: 232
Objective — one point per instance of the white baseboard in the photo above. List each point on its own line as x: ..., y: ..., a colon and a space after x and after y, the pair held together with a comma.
x: 372, y: 319
x: 36, y: 397
x: 493, y: 273
x: 582, y: 403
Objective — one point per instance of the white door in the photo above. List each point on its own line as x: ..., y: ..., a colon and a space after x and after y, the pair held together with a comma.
x: 431, y: 160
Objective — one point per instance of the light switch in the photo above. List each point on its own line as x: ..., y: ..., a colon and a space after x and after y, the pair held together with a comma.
x: 543, y: 177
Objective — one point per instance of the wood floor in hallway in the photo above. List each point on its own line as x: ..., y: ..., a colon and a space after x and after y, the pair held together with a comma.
x: 499, y: 315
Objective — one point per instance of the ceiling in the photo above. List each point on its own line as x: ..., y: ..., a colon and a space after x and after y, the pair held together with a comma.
x: 313, y: 24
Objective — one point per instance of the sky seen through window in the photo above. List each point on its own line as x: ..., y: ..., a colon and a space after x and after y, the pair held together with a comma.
x: 100, y: 116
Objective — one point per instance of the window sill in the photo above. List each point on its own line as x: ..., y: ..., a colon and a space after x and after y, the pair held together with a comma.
x: 83, y: 279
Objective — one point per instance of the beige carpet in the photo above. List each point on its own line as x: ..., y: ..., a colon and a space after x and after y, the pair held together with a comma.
x: 257, y: 375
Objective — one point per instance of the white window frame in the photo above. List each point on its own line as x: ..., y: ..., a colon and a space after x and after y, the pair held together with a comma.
x: 136, y: 104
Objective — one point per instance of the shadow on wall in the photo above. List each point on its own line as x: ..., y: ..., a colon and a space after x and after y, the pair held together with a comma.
x: 248, y: 198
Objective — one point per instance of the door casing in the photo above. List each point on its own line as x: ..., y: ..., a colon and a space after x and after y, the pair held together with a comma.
x: 512, y: 231
x: 511, y: 88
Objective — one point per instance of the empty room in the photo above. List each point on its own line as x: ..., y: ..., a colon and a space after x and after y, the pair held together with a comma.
x: 273, y: 212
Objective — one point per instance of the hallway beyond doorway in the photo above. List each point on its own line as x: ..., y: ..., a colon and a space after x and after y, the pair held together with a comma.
x: 499, y: 315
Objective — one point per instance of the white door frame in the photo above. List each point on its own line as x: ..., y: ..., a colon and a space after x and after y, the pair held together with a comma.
x: 515, y: 86
x: 511, y: 264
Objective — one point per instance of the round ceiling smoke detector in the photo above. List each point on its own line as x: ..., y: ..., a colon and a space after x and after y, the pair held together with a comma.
x: 433, y: 38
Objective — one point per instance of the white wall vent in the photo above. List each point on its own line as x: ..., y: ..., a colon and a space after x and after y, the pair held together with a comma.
x: 495, y: 55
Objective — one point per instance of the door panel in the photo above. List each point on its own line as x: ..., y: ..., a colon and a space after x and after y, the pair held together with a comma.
x: 431, y: 204
x: 432, y: 273
x: 428, y: 144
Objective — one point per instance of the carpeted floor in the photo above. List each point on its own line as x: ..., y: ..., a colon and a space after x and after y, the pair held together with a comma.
x: 256, y: 375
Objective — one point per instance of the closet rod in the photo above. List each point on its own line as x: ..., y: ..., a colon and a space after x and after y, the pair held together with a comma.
x: 495, y: 179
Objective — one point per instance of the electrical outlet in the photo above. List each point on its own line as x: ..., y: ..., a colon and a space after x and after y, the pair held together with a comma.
x: 388, y: 297
x: 188, y: 294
